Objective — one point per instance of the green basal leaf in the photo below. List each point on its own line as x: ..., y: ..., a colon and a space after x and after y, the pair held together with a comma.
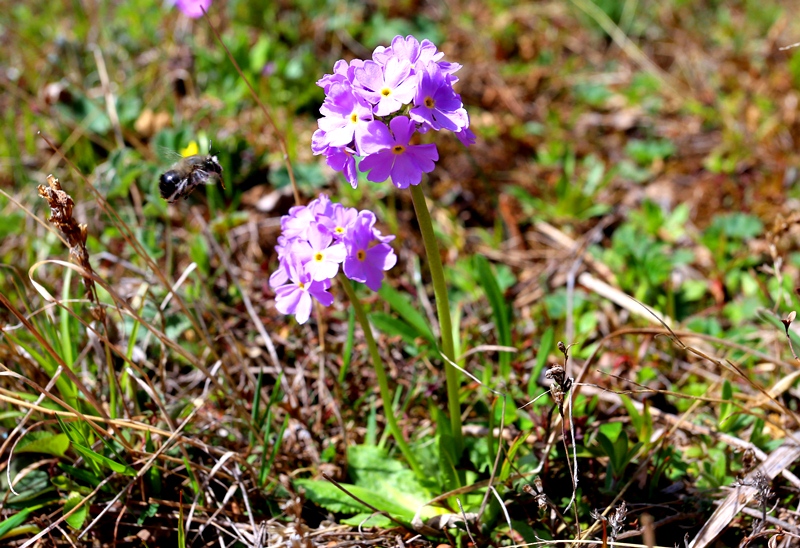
x: 44, y: 442
x: 369, y: 520
x: 334, y: 499
x: 372, y: 468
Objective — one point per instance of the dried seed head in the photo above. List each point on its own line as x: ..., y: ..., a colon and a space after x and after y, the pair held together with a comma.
x: 61, y: 206
x: 787, y: 321
x: 617, y: 520
x: 557, y: 394
x: 761, y: 483
x: 536, y: 492
x: 564, y: 349
x: 556, y: 373
x: 748, y: 460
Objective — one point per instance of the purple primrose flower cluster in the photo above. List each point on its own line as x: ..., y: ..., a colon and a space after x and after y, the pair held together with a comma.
x: 373, y: 108
x: 316, y: 239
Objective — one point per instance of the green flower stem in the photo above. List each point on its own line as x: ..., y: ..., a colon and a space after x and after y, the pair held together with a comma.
x: 383, y: 381
x: 442, y: 310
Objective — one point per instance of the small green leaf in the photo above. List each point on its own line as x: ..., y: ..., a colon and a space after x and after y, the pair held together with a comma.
x: 505, y: 471
x: 637, y: 420
x: 44, y: 442
x: 149, y: 512
x: 611, y: 430
x: 725, y: 406
x: 104, y: 461
x: 76, y: 520
x: 621, y: 452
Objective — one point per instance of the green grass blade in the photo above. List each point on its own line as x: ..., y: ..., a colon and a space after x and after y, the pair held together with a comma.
x: 348, y: 345
x: 497, y: 300
x: 65, y: 323
x: 545, y: 347
x: 275, y: 448
x: 14, y: 521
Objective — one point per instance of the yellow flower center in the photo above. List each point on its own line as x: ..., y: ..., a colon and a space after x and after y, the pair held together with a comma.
x: 354, y: 118
x: 361, y: 255
x: 398, y: 149
x: 301, y: 285
x: 339, y: 230
x: 429, y: 102
x: 318, y: 256
x: 386, y: 92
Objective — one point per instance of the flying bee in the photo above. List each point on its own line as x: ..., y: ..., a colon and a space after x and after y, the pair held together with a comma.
x: 187, y: 174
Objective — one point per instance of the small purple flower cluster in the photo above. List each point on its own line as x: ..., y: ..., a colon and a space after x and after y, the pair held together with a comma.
x: 406, y: 86
x: 317, y: 238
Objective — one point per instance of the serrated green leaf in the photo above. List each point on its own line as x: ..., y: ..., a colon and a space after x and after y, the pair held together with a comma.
x: 104, y: 461
x: 371, y: 468
x: 43, y: 442
x: 76, y: 520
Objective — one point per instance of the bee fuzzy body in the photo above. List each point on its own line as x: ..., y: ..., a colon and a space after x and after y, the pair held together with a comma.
x: 187, y: 174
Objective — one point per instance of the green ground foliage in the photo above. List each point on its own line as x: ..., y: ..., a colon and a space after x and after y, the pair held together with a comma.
x: 626, y: 227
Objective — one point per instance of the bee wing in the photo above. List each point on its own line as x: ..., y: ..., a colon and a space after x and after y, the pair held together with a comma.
x: 167, y: 155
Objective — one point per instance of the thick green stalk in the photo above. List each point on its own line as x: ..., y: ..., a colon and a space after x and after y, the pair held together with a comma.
x: 442, y: 311
x: 383, y: 381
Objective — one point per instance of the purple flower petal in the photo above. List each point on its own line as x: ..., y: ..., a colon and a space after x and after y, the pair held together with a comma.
x: 367, y: 258
x: 193, y: 8
x: 376, y: 138
x: 379, y: 166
